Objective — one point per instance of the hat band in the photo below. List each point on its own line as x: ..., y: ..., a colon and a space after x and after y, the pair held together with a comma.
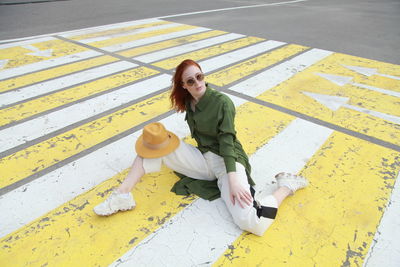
x: 156, y: 146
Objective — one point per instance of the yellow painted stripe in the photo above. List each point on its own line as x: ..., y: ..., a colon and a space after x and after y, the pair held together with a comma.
x: 18, y: 56
x: 44, y: 75
x: 207, y: 52
x: 119, y: 30
x: 169, y: 43
x: 38, y: 105
x: 35, y: 158
x: 72, y: 234
x: 333, y: 221
x: 289, y: 94
x: 248, y: 67
x: 130, y: 38
x: 374, y: 80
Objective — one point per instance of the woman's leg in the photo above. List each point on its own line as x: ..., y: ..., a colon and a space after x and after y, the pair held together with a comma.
x: 258, y: 217
x: 186, y: 159
x: 121, y: 199
x: 136, y: 172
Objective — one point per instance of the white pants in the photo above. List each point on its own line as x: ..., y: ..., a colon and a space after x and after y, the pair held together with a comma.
x: 188, y: 160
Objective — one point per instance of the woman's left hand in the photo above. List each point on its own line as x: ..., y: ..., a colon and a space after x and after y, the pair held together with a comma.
x: 238, y: 192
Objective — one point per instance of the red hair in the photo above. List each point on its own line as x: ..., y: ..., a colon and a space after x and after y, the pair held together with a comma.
x: 179, y: 95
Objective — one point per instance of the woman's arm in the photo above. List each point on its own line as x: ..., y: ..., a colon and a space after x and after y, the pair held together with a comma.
x: 226, y: 138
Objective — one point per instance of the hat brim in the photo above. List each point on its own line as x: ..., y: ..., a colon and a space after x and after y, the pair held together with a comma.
x: 146, y: 152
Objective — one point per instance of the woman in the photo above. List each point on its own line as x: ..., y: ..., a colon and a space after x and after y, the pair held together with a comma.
x: 219, y: 155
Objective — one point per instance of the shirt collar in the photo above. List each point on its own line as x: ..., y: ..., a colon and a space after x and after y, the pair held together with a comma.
x: 204, y: 100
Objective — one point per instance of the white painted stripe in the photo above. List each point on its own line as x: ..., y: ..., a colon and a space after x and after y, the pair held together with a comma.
x: 44, y: 64
x: 280, y: 73
x: 385, y: 248
x: 127, y: 33
x: 28, y: 42
x: 204, y: 229
x: 374, y: 113
x: 154, y: 39
x: 63, y: 82
x: 232, y: 8
x: 24, y: 132
x: 169, y: 52
x: 377, y: 89
x: 84, y: 31
x: 240, y: 54
x: 389, y: 76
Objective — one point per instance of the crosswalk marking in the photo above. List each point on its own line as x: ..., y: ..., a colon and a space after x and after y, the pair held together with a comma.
x: 27, y: 42
x: 105, y: 29
x: 154, y: 39
x: 248, y: 67
x: 101, y: 36
x: 210, y: 223
x: 290, y: 95
x: 207, y: 52
x: 331, y: 222
x: 22, y: 55
x: 64, y: 82
x: 43, y: 75
x: 266, y: 80
x: 146, y: 33
x: 45, y: 64
x: 36, y: 158
x: 69, y: 181
x: 169, y: 52
x: 35, y: 128
x: 48, y: 102
x: 153, y: 187
x: 170, y: 43
x: 68, y: 126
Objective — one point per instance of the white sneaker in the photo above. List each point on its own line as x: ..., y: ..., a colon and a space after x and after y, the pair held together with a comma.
x: 114, y: 203
x: 291, y: 181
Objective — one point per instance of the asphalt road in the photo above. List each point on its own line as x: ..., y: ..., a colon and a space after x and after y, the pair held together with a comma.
x: 364, y: 28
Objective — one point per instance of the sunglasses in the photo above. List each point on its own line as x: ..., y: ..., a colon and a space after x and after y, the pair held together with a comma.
x: 191, y: 81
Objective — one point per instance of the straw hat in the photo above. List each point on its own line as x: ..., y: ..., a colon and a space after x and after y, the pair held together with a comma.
x: 156, y: 141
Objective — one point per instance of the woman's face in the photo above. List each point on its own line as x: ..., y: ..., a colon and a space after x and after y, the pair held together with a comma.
x: 193, y: 81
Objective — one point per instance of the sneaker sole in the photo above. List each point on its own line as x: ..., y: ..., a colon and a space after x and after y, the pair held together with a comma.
x: 108, y: 214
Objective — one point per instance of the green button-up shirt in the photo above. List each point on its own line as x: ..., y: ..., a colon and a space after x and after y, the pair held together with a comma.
x: 212, y: 125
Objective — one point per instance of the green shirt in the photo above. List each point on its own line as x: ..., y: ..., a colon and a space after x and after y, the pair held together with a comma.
x: 212, y: 125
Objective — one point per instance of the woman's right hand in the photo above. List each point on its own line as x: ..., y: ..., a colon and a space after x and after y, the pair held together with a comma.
x: 238, y: 192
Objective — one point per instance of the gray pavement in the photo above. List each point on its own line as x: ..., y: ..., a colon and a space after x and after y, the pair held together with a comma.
x: 364, y: 28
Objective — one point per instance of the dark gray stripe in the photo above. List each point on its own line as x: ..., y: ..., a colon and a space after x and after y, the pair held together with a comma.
x: 329, y: 125
x: 78, y: 124
x: 64, y: 162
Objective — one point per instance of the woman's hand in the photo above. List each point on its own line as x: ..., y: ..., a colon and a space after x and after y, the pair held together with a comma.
x: 238, y: 192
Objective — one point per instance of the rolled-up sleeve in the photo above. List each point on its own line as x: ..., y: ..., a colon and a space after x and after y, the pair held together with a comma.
x: 226, y: 135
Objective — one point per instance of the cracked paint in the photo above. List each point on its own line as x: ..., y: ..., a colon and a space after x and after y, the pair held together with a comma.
x: 71, y: 95
x: 36, y: 158
x: 289, y: 95
x: 340, y: 211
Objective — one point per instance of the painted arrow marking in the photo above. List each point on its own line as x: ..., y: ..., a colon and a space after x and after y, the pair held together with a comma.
x: 343, y: 80
x: 3, y: 63
x: 37, y: 52
x: 369, y: 71
x: 336, y: 102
